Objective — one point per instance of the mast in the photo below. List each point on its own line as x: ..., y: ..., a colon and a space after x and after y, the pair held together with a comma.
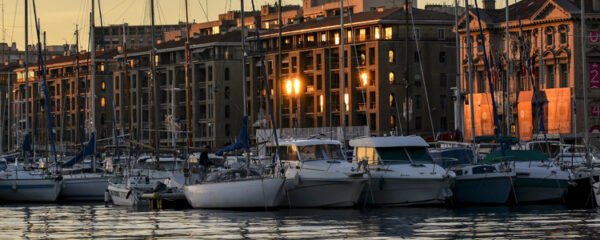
x: 153, y: 89
x: 585, y: 83
x: 458, y: 105
x: 27, y: 103
x: 127, y: 90
x: 279, y: 63
x: 470, y: 60
x: 77, y: 107
x: 188, y: 85
x: 407, y: 76
x: 343, y: 72
x: 508, y: 113
x: 92, y: 100
x: 243, y: 28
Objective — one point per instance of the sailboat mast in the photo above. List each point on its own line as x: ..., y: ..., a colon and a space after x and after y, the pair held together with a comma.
x: 77, y: 82
x: 188, y: 85
x: 459, y: 117
x: 407, y: 76
x: 127, y: 90
x: 92, y: 99
x: 27, y: 104
x: 243, y: 30
x: 153, y: 89
x: 470, y: 63
x: 508, y: 113
x: 585, y: 83
x: 343, y: 72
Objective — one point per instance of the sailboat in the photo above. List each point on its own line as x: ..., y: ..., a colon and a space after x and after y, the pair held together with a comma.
x: 24, y: 184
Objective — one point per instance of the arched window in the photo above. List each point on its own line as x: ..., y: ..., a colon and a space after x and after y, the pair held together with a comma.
x: 392, y: 78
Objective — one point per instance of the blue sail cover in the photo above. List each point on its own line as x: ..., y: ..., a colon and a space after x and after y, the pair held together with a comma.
x: 87, y: 151
x: 27, y: 144
x: 242, y: 141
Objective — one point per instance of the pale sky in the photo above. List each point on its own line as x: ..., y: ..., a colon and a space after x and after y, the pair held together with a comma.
x: 60, y: 17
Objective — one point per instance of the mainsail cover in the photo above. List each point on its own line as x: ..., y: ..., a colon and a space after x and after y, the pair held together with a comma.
x: 87, y: 151
x: 242, y: 141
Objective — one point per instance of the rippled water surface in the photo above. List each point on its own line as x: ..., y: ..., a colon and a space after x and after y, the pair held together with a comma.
x: 87, y: 220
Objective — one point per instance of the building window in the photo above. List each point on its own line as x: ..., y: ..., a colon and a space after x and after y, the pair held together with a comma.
x: 392, y: 78
x: 392, y: 100
x: 443, y: 80
x: 418, y: 122
x: 227, y: 111
x: 549, y: 36
x: 371, y: 56
x: 377, y: 33
x: 103, y: 85
x: 372, y: 100
x: 349, y: 34
x: 417, y: 57
x: 391, y: 56
x: 362, y: 34
x: 550, y: 76
x: 388, y: 33
x: 417, y: 101
x: 564, y: 79
x: 226, y: 74
x: 442, y: 57
x: 337, y: 38
x: 323, y: 37
x: 417, y: 34
x: 321, y: 103
x: 392, y: 121
x: 441, y: 34
x: 102, y: 102
x: 227, y: 130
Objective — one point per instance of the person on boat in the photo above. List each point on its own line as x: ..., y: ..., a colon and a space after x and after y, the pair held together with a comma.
x: 204, y: 161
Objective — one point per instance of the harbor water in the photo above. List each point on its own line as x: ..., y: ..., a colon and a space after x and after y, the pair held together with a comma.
x: 92, y: 220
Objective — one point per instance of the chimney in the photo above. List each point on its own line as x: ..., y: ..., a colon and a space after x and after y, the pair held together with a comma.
x: 489, y: 4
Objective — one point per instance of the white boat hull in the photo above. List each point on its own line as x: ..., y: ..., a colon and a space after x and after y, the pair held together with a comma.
x: 29, y: 190
x: 322, y: 192
x: 122, y: 196
x: 84, y: 188
x: 404, y: 191
x: 248, y: 193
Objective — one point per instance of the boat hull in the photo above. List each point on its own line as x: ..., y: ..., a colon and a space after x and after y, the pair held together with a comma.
x: 123, y: 196
x: 322, y: 193
x: 30, y: 190
x: 405, y: 191
x: 484, y: 190
x: 84, y: 188
x: 540, y: 190
x: 249, y: 193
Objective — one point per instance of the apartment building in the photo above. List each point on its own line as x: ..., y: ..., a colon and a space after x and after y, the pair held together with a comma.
x: 216, y: 96
x: 70, y: 101
x: 137, y: 35
x: 327, y: 8
x: 308, y: 93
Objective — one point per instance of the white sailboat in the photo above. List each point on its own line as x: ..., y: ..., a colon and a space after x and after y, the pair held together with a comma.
x: 401, y: 171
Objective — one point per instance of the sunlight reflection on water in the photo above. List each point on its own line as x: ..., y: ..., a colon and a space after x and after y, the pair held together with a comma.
x: 86, y: 221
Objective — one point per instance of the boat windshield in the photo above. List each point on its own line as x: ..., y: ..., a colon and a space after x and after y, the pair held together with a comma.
x: 3, y: 166
x: 398, y: 155
x: 320, y: 152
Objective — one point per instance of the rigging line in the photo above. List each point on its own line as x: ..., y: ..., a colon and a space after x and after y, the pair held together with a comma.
x: 409, y: 9
x: 203, y: 10
x: 125, y: 10
x: 110, y: 85
x: 367, y: 114
x: 266, y: 81
x: 529, y: 72
x: 45, y: 87
x: 12, y: 33
x: 489, y: 78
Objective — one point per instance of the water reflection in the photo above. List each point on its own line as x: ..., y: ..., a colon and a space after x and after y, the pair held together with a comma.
x: 85, y: 221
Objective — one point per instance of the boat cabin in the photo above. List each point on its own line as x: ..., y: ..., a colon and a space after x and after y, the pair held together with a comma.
x: 307, y: 150
x: 391, y: 150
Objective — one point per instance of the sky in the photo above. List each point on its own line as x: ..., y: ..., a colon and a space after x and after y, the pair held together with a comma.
x: 59, y: 18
